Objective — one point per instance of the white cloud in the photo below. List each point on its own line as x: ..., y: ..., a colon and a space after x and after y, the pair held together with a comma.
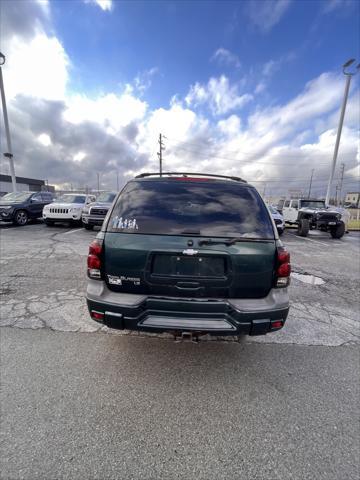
x: 103, y: 4
x: 44, y: 139
x: 230, y: 126
x: 38, y: 68
x: 218, y: 94
x: 143, y: 80
x: 111, y: 111
x: 79, y: 156
x: 225, y: 57
x: 331, y: 5
x: 264, y: 15
x: 260, y: 87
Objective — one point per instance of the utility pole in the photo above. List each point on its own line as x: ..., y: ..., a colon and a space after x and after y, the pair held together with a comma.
x: 9, y: 153
x: 341, y: 121
x: 264, y: 190
x: 161, y: 148
x: 336, y: 195
x: 342, y: 169
x: 312, y: 173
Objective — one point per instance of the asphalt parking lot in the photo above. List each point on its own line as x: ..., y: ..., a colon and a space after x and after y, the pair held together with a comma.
x: 82, y: 401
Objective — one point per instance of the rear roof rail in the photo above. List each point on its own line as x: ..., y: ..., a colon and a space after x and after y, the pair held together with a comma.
x: 186, y: 174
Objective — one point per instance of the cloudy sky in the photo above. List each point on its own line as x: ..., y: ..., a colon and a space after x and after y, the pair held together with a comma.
x: 250, y: 88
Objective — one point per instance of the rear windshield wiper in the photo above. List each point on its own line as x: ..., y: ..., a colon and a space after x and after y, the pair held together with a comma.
x: 232, y: 241
x: 190, y: 232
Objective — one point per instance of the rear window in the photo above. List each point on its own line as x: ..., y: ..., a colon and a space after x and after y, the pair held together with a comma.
x: 191, y: 208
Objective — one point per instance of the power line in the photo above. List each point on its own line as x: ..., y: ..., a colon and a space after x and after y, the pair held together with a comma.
x: 248, y: 153
x: 349, y: 180
x: 211, y: 156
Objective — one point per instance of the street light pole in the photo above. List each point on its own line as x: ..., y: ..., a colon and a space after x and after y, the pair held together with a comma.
x: 341, y: 121
x: 312, y: 173
x: 9, y: 153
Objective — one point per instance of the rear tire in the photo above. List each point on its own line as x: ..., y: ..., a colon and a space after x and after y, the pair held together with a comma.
x: 87, y: 226
x: 303, y: 227
x: 338, y: 232
x: 280, y: 231
x: 21, y: 218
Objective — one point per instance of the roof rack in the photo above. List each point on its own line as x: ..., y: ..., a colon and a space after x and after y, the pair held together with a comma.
x: 185, y: 174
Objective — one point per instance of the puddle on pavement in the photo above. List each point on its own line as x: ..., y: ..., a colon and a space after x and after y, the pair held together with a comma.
x: 306, y: 278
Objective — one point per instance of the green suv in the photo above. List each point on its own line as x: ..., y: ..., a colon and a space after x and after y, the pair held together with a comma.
x: 190, y: 253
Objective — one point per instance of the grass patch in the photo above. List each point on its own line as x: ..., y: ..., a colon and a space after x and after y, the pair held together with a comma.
x: 354, y: 225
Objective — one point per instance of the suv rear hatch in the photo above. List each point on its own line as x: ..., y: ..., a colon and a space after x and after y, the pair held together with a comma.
x: 184, y: 237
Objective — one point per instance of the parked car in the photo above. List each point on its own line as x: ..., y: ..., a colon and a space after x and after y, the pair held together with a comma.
x: 20, y: 207
x: 278, y: 219
x: 67, y: 208
x: 94, y: 213
x: 189, y: 253
x: 313, y: 214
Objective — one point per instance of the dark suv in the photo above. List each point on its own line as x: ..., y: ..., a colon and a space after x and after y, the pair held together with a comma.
x: 189, y: 253
x: 20, y: 207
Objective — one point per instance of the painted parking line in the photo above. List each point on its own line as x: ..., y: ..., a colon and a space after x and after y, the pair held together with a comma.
x: 308, y: 239
x: 73, y: 230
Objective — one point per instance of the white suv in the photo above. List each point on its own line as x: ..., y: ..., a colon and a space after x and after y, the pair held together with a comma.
x: 67, y: 208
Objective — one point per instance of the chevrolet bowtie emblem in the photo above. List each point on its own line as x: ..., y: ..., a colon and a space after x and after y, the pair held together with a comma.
x: 190, y: 251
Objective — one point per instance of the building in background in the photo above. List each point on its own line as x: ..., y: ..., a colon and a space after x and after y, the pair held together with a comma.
x: 353, y: 198
x: 23, y: 184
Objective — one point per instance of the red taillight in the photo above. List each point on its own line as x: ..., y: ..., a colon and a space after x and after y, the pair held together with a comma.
x: 283, y: 255
x: 283, y: 268
x: 95, y: 247
x: 94, y: 259
x: 93, y: 262
x: 99, y: 316
x: 276, y: 324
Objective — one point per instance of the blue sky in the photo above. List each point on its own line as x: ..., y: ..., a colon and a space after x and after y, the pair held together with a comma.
x: 246, y: 87
x: 179, y: 39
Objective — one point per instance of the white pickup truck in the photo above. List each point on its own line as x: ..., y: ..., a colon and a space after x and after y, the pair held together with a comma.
x: 312, y: 214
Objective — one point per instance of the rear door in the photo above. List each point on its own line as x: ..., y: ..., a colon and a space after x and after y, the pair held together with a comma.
x: 169, y: 237
x: 35, y: 205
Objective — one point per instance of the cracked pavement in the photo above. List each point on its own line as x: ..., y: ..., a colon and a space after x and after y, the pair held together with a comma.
x: 43, y: 282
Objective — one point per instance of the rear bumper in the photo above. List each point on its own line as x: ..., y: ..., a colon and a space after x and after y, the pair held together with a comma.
x: 214, y: 316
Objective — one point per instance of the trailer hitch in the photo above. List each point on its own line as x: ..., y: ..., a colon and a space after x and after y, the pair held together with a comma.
x: 187, y: 337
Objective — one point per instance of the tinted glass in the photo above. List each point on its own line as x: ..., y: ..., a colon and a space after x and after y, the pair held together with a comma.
x: 106, y: 197
x: 47, y: 197
x: 71, y: 199
x: 312, y: 204
x: 273, y: 210
x: 16, y: 197
x: 182, y: 207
